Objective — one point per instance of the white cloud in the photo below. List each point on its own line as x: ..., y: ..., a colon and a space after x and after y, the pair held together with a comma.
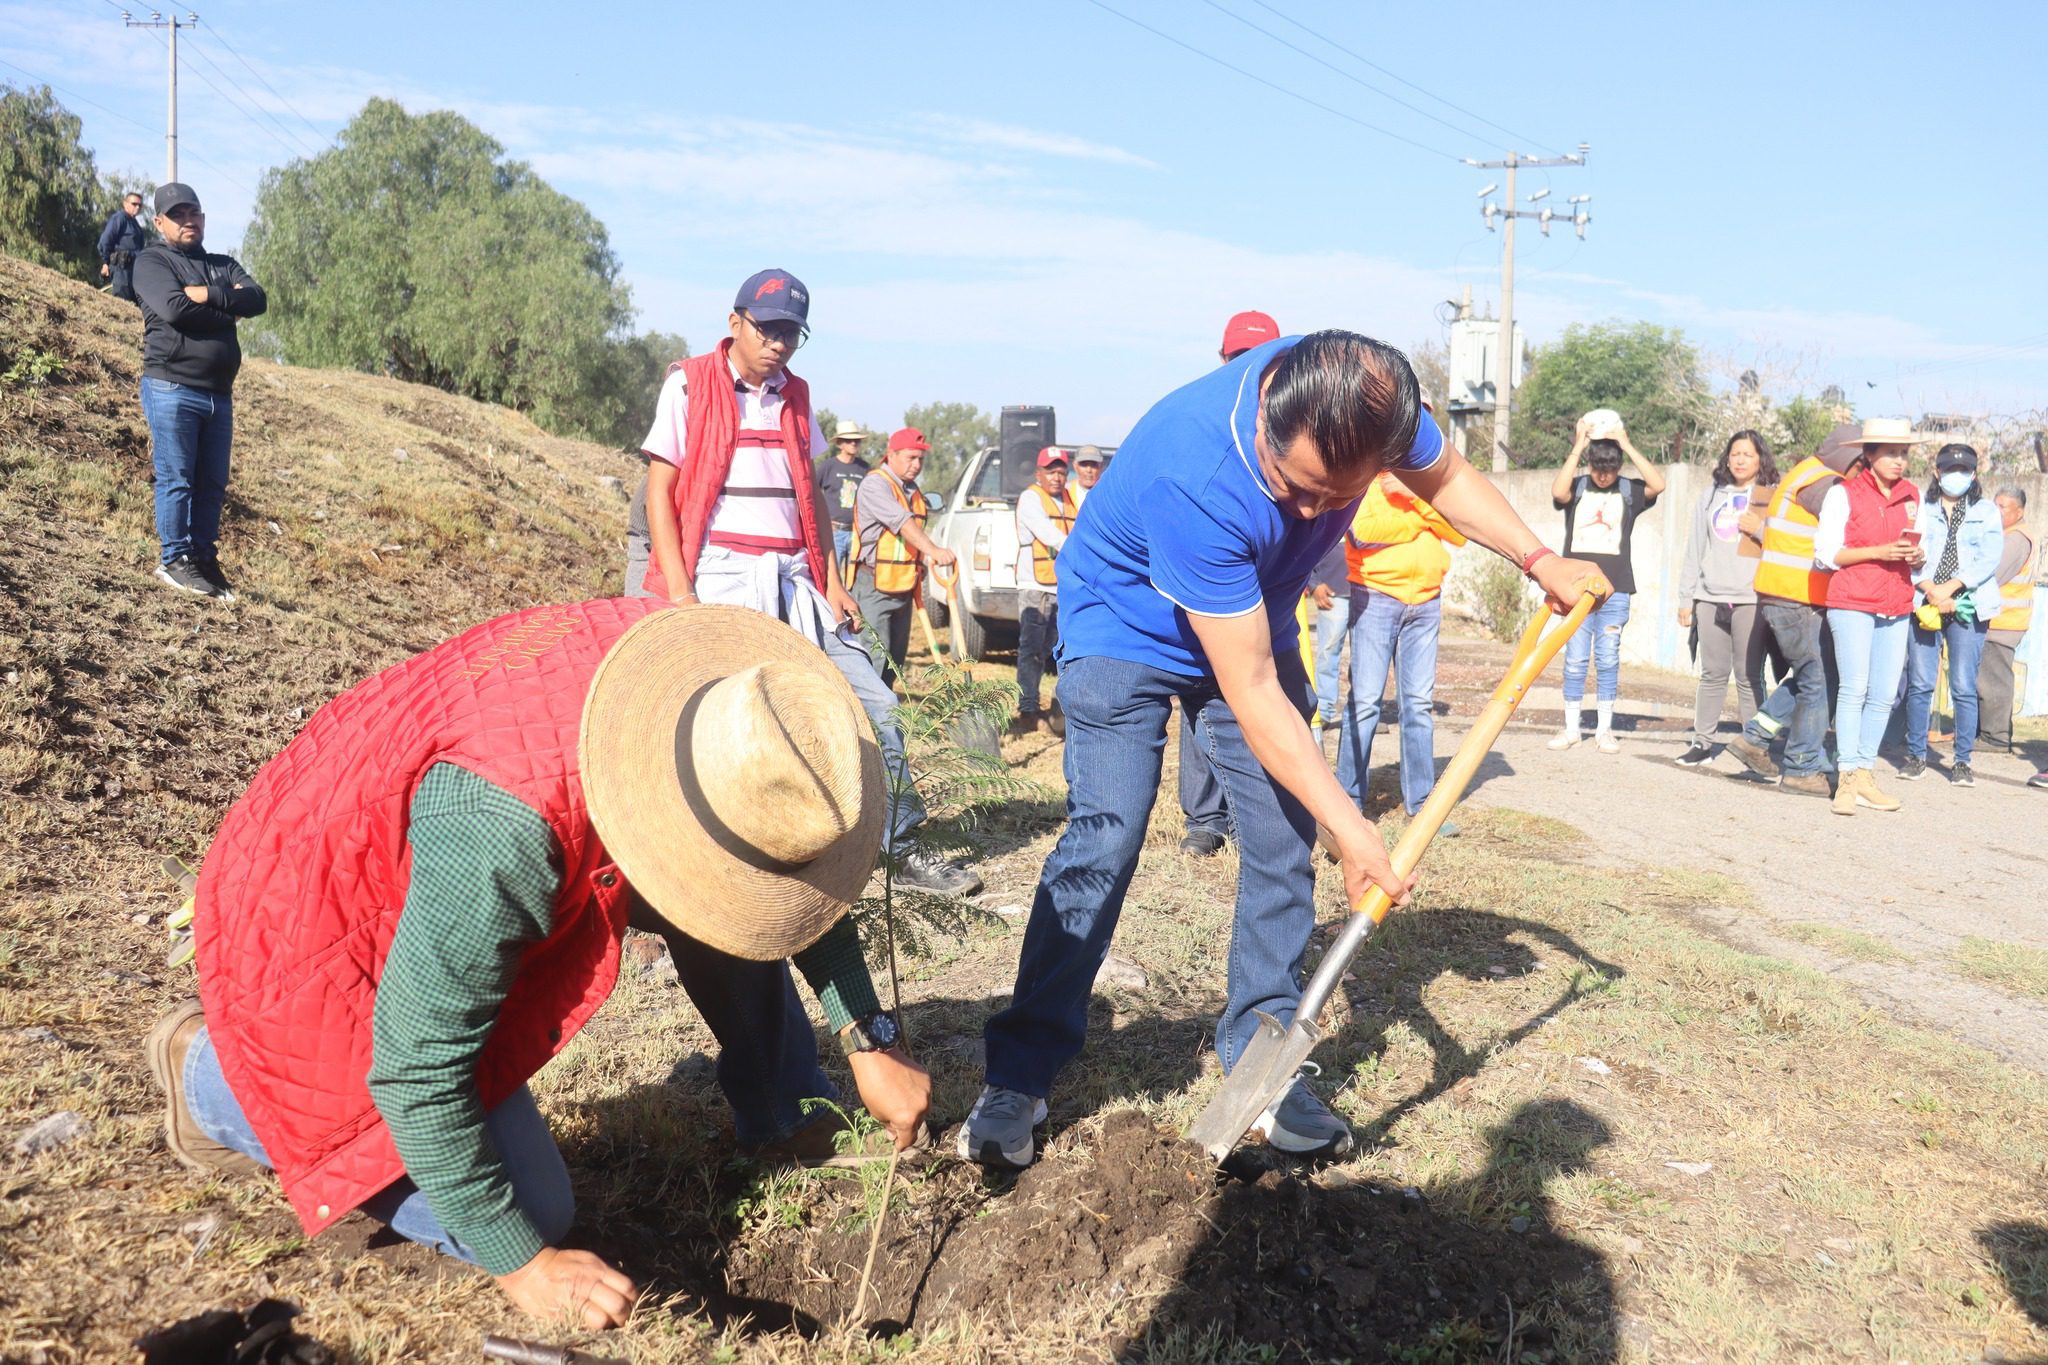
x: 1009, y: 137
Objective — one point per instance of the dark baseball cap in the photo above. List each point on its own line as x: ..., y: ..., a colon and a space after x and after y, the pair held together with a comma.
x: 774, y: 296
x: 172, y: 195
x: 1954, y: 458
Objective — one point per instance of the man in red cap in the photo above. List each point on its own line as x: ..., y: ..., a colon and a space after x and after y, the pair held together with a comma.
x: 1244, y: 331
x: 891, y: 547
x: 1045, y: 516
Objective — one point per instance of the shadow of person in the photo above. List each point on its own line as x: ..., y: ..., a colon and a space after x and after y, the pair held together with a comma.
x: 2021, y: 1253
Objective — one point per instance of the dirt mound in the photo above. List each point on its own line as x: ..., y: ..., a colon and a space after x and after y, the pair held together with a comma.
x: 1131, y: 1233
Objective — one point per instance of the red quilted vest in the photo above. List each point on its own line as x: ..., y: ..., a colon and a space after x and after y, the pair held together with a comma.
x: 301, y: 891
x: 1880, y: 587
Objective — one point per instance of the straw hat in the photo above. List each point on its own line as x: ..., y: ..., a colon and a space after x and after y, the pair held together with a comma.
x: 1887, y: 431
x: 730, y: 772
x: 849, y: 431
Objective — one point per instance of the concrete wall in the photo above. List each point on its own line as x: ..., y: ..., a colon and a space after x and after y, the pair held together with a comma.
x: 1653, y: 635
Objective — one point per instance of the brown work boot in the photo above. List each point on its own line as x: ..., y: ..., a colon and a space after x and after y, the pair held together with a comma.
x: 1871, y: 795
x: 1813, y: 784
x: 166, y: 1046
x: 1845, y: 791
x: 1754, y: 756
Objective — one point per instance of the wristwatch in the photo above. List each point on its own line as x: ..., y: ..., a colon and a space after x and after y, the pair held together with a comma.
x: 877, y: 1032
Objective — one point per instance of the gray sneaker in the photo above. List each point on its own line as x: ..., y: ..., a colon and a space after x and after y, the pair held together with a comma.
x: 998, y: 1131
x: 1300, y: 1124
x: 182, y: 574
x: 1913, y: 769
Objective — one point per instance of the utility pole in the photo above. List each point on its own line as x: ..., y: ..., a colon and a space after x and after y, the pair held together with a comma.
x: 1504, y: 356
x: 174, y: 23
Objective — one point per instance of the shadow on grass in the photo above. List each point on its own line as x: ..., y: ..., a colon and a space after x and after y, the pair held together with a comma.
x: 2021, y: 1252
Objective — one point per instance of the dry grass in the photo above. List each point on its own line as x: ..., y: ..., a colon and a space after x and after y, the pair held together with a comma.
x: 1841, y: 942
x: 2008, y: 966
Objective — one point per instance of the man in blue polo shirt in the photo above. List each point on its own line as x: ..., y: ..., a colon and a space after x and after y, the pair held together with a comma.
x: 1182, y: 581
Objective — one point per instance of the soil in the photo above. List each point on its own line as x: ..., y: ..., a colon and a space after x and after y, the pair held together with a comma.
x: 1315, y: 1271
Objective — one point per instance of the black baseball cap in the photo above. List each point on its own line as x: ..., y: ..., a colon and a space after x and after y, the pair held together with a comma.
x: 1954, y: 458
x: 774, y: 296
x: 172, y: 195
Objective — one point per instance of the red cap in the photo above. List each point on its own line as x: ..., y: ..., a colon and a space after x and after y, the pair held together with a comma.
x: 1052, y: 455
x: 1247, y: 330
x: 909, y: 438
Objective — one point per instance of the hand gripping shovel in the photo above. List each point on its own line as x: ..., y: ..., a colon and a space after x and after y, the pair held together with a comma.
x: 972, y: 732
x: 1269, y: 1062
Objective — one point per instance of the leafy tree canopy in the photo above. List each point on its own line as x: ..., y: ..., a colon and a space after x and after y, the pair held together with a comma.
x: 956, y: 431
x: 1649, y: 374
x: 52, y: 201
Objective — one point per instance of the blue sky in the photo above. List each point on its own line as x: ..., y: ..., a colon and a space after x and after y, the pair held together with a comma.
x: 1046, y: 203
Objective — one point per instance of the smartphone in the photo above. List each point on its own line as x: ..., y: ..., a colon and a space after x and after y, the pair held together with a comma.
x: 1910, y: 537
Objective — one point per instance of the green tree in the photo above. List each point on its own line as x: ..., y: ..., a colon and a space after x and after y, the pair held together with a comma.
x: 956, y: 431
x: 1649, y: 374
x: 52, y: 203
x: 871, y: 448
x: 1806, y: 423
x: 413, y: 248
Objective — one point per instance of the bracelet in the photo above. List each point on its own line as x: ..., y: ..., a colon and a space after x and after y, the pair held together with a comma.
x: 1535, y: 557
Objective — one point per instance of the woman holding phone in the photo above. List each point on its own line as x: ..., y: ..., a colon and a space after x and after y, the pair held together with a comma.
x: 1963, y: 538
x: 1866, y: 536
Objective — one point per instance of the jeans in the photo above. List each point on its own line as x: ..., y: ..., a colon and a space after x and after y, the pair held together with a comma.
x: 1923, y: 664
x: 1994, y: 692
x: 190, y: 431
x: 1870, y: 655
x: 1730, y: 643
x: 767, y: 1067
x: 1330, y: 628
x: 1801, y: 701
x: 1387, y: 631
x: 1597, y: 639
x: 1116, y: 742
x: 888, y: 616
x: 1038, y: 637
x: 638, y: 551
x: 1201, y: 795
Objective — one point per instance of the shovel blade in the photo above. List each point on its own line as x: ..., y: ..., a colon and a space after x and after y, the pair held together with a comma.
x: 1264, y: 1070
x: 976, y: 734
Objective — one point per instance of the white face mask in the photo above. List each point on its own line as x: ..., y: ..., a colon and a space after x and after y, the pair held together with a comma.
x: 1957, y: 482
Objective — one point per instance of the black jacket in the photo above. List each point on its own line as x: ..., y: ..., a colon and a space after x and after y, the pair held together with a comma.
x: 183, y: 341
x: 122, y: 233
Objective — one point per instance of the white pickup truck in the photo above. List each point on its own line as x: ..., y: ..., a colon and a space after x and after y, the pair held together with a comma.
x: 979, y: 524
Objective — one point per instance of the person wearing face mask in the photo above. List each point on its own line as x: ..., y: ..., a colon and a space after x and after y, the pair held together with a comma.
x: 1718, y: 589
x: 1963, y: 539
x: 1181, y: 583
x: 2009, y: 627
x: 1866, y: 538
x: 1600, y: 510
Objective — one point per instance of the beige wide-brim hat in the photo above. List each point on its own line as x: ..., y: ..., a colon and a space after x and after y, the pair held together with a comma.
x: 850, y: 431
x: 1887, y: 431
x: 733, y: 777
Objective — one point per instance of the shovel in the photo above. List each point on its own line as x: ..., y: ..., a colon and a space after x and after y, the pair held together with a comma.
x: 976, y: 733
x: 1268, y: 1064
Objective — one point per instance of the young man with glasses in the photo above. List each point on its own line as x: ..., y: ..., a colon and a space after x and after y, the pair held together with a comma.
x: 191, y: 301
x: 734, y: 516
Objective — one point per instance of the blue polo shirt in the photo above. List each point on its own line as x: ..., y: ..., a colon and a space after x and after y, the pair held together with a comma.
x: 1182, y: 522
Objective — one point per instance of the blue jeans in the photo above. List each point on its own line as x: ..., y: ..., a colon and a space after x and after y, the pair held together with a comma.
x: 1802, y: 699
x: 1116, y: 743
x: 1330, y: 628
x: 1870, y: 656
x: 1201, y: 795
x: 1387, y: 631
x: 1597, y: 639
x: 1923, y: 664
x: 842, y: 541
x: 190, y: 431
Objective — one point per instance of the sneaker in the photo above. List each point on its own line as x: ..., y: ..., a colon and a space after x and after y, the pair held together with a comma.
x: 209, y: 569
x: 165, y: 1047
x: 1563, y: 739
x: 930, y: 872
x: 2039, y: 780
x: 1695, y: 754
x: 998, y: 1131
x: 182, y: 574
x: 1913, y: 769
x: 1605, y: 742
x: 1813, y: 784
x: 1870, y: 794
x: 1202, y: 843
x: 1961, y: 776
x: 1448, y: 830
x: 1300, y: 1124
x: 1754, y: 756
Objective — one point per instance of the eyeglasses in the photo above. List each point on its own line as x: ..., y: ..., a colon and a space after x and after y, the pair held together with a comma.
x: 789, y: 335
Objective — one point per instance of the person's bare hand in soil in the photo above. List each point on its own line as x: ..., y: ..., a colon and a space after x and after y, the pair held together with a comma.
x: 896, y: 1090
x: 576, y: 1283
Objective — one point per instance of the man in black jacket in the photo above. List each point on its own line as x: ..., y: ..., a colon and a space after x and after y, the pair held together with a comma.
x: 121, y: 241
x: 191, y: 300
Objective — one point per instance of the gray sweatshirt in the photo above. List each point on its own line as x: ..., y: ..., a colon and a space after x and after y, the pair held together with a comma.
x: 1714, y: 571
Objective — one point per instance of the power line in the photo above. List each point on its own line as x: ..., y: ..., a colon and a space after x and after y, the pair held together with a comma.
x: 1275, y: 86
x: 1330, y: 65
x: 218, y: 37
x: 253, y: 110
x: 74, y: 95
x: 1358, y: 57
x: 237, y: 105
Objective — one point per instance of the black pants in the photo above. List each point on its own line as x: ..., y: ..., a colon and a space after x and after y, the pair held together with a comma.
x: 123, y: 277
x: 1038, y: 638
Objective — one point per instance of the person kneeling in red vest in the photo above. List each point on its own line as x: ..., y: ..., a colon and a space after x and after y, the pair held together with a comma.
x: 422, y: 898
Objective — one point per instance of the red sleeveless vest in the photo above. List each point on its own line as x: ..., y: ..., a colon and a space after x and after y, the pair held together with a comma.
x: 1880, y: 587
x: 301, y: 891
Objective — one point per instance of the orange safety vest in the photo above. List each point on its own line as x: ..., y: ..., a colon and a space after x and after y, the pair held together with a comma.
x: 2018, y: 596
x: 898, y: 568
x: 1062, y: 514
x: 1398, y: 544
x: 1787, y: 569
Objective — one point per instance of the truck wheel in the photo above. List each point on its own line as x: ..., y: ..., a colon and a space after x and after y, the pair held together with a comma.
x: 972, y: 636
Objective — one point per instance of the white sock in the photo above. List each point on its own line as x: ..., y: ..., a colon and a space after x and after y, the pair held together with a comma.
x: 1605, y: 710
x: 1572, y: 711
